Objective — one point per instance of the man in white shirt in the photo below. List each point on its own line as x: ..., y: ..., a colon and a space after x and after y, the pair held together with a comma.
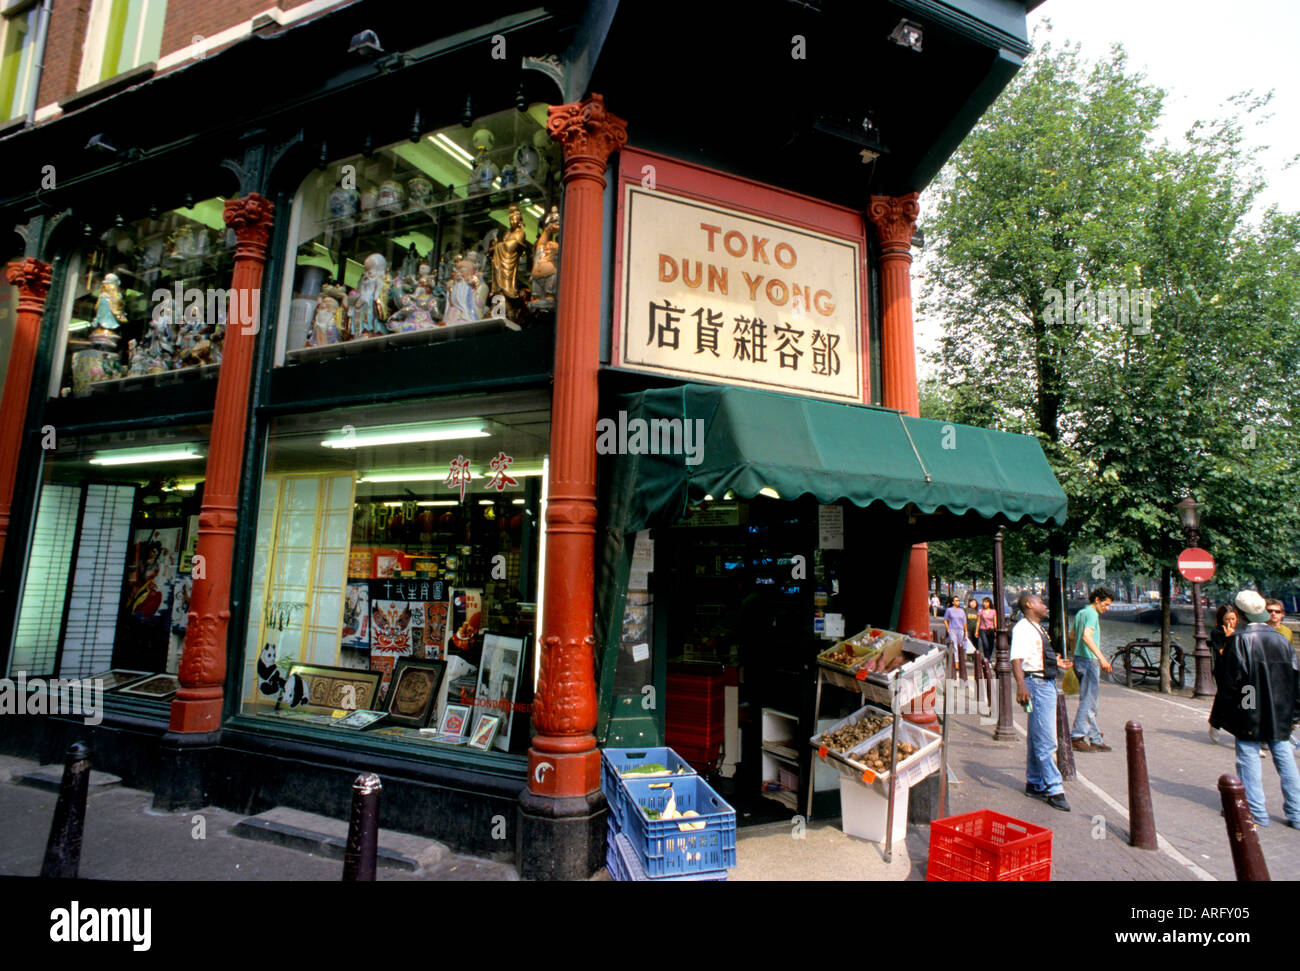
x: 1035, y: 665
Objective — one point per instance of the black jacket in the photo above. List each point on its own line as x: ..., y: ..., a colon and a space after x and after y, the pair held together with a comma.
x: 1258, y: 696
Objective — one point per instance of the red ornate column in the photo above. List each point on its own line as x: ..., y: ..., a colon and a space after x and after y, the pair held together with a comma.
x: 564, y: 765
x: 197, y: 706
x: 32, y: 278
x: 895, y: 220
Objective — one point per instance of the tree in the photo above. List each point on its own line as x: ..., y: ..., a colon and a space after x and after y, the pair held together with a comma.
x: 1058, y: 205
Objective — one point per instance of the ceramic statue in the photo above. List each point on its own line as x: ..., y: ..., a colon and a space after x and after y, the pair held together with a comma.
x: 392, y: 197
x: 420, y: 191
x: 343, y: 202
x: 371, y: 307
x: 546, y: 259
x: 327, y: 319
x: 110, y: 313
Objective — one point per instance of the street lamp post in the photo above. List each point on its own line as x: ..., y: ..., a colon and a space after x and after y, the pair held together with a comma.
x: 1189, y: 512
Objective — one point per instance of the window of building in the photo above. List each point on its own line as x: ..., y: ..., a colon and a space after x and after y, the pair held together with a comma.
x: 121, y: 35
x: 450, y: 235
x: 8, y: 317
x: 147, y: 303
x: 395, y: 570
x: 107, y: 585
x: 18, y: 58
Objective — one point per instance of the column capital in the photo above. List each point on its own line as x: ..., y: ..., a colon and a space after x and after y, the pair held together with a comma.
x: 587, y: 132
x: 250, y: 217
x: 895, y: 219
x: 32, y: 278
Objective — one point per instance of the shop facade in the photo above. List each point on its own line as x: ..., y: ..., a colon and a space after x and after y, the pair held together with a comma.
x: 325, y: 401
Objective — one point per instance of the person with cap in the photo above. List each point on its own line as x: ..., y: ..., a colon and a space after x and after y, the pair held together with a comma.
x: 1258, y: 702
x: 1034, y: 663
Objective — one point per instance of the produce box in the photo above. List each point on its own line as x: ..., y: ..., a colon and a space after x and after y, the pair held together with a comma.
x: 924, y: 670
x: 986, y: 845
x: 617, y: 764
x: 624, y: 864
x: 850, y: 654
x: 835, y: 758
x: 926, y: 758
x: 681, y: 845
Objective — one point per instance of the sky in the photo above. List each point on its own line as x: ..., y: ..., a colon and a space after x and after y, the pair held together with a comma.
x: 1200, y: 52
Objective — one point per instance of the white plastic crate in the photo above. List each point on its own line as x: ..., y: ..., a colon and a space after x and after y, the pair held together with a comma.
x: 864, y: 812
x: 912, y: 769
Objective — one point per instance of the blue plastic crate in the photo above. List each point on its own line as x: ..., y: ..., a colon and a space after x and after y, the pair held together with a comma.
x: 665, y: 849
x: 624, y: 864
x: 615, y: 761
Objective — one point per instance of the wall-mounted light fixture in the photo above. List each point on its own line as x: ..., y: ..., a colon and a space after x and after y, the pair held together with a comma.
x: 907, y: 34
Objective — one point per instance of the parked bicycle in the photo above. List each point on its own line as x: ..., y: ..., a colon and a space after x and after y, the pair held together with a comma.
x: 1133, y: 664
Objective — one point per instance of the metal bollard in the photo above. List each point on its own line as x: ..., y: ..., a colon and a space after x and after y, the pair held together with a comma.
x: 1141, y: 821
x: 63, y: 849
x: 1064, y: 748
x: 1243, y: 837
x: 363, y: 829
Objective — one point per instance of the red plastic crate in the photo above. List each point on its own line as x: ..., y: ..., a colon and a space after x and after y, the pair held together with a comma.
x: 986, y: 845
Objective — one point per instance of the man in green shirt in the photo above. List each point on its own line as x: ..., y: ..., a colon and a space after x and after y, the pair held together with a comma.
x: 1089, y: 662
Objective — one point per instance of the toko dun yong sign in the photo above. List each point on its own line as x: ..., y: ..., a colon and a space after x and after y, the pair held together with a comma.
x: 711, y: 294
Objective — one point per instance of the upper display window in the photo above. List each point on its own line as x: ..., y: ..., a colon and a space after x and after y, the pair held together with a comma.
x: 450, y: 235
x: 147, y: 302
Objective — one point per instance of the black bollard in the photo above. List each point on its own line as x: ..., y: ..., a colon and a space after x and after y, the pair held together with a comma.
x: 1064, y: 749
x: 1141, y: 821
x: 363, y: 829
x: 1243, y: 837
x: 63, y: 849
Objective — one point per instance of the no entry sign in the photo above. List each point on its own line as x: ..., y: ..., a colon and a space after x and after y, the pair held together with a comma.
x: 1195, y: 564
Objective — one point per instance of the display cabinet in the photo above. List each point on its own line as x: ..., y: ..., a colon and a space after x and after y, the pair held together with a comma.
x: 449, y: 235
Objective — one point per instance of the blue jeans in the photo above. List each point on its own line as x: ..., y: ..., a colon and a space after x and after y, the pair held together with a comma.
x: 1085, y: 719
x: 1040, y: 766
x: 1249, y: 773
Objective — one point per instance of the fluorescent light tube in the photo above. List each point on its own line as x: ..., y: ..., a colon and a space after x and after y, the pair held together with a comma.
x: 142, y: 456
x: 439, y: 502
x: 403, y: 434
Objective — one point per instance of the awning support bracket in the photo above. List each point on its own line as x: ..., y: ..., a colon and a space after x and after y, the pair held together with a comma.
x: 915, y: 452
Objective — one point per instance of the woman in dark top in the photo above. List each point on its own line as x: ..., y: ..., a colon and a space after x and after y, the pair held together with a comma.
x: 1225, y: 624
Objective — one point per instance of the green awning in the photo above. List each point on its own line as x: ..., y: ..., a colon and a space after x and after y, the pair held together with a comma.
x: 757, y: 440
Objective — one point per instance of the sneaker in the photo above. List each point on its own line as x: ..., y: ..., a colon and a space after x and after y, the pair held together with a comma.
x: 1101, y: 747
x: 1058, y: 802
x: 1082, y: 745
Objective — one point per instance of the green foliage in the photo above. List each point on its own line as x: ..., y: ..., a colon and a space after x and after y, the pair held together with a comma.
x: 1064, y: 182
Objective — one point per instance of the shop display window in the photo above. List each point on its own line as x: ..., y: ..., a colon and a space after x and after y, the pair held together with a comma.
x: 449, y: 235
x: 147, y: 302
x: 107, y: 586
x: 395, y: 570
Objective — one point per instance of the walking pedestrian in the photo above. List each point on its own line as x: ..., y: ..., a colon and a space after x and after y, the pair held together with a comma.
x: 1034, y: 663
x: 934, y: 605
x: 988, y: 625
x: 1258, y: 702
x: 1089, y: 662
x: 1276, y: 614
x: 1225, y: 625
x: 954, y: 619
x: 972, y: 620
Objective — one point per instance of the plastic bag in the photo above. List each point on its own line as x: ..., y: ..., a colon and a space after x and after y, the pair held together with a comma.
x: 1070, y: 683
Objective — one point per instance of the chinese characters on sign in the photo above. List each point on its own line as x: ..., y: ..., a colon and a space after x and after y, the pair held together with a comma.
x: 712, y: 294
x: 459, y: 474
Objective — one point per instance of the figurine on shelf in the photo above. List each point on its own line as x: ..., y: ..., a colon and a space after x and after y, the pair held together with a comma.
x: 162, y: 332
x: 327, y: 320
x: 409, y: 316
x: 369, y: 199
x: 420, y: 191
x: 446, y: 266
x: 508, y: 177
x: 484, y: 172
x: 411, y: 263
x: 546, y: 260
x: 196, y: 344
x: 505, y: 262
x: 371, y: 308
x: 110, y: 313
x: 461, y: 293
x: 482, y: 289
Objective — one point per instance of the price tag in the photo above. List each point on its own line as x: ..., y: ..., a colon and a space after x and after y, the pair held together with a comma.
x: 862, y: 674
x: 821, y: 752
x: 868, y: 776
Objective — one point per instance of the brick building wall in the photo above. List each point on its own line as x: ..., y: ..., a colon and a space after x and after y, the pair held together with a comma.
x: 185, y: 19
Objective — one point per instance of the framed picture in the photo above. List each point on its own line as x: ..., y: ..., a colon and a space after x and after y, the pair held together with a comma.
x: 160, y: 687
x: 118, y: 677
x: 360, y: 719
x: 359, y: 564
x: 324, y: 687
x: 498, y: 677
x: 455, y: 719
x: 414, y: 691
x: 485, y: 730
x: 356, y: 615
